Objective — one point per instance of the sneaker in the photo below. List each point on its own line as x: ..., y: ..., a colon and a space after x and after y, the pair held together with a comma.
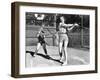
x: 64, y: 64
x: 61, y: 59
x: 47, y: 56
x: 34, y: 54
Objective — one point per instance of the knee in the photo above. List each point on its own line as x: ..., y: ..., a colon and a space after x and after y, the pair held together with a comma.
x: 65, y: 48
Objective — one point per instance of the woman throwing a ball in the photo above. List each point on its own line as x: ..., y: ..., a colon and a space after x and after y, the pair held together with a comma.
x: 63, y: 38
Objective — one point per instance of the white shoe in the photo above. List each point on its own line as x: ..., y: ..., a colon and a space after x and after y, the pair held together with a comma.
x: 64, y: 64
x: 34, y: 54
x: 61, y: 60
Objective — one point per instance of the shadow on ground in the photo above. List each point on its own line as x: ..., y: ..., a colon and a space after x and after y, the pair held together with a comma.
x: 42, y: 55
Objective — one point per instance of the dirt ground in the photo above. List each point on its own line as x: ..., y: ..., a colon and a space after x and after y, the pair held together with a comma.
x: 75, y: 56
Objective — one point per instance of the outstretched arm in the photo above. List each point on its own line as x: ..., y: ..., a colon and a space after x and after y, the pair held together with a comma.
x: 73, y: 26
x: 65, y: 25
x: 68, y: 25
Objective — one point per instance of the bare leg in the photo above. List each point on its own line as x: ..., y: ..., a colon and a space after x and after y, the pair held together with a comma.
x: 44, y: 48
x: 37, y: 48
x: 60, y: 50
x: 65, y: 51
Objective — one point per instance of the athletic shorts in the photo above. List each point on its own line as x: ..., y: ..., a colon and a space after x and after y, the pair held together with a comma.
x: 63, y: 37
x: 42, y: 42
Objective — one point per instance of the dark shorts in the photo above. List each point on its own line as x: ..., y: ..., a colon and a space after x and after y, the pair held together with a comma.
x: 42, y: 42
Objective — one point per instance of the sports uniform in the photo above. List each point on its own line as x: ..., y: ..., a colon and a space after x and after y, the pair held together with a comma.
x: 63, y: 34
x: 63, y: 38
x: 41, y: 41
